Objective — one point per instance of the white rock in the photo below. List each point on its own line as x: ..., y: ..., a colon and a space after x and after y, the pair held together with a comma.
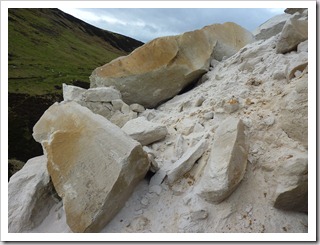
x: 102, y: 94
x: 199, y: 215
x: 144, y: 131
x: 155, y: 189
x: 30, y: 195
x: 294, y: 32
x: 227, y: 162
x: 72, y: 93
x: 125, y: 109
x: 302, y: 47
x: 199, y: 101
x: 186, y: 162
x: 179, y: 146
x: 137, y: 108
x: 93, y: 164
x: 158, y: 177
x: 209, y: 115
x: 117, y: 104
x: 292, y: 185
x: 271, y: 27
x: 120, y: 119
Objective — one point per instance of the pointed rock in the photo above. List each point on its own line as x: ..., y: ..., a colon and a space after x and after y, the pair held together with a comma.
x: 93, y: 164
x: 186, y: 162
x: 227, y: 162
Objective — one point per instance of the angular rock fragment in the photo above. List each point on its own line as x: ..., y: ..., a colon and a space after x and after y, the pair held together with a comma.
x: 144, y: 131
x: 271, y: 27
x: 186, y: 162
x: 161, y: 68
x: 93, y: 164
x: 137, y: 108
x: 31, y: 195
x: 102, y: 94
x: 294, y: 32
x: 72, y: 93
x: 292, y: 185
x: 227, y: 162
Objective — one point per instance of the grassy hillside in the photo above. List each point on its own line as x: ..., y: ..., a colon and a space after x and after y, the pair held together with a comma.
x: 48, y: 47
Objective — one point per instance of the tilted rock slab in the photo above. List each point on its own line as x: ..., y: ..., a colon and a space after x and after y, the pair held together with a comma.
x: 186, y: 162
x: 294, y: 32
x: 292, y: 185
x: 161, y: 68
x: 144, y: 131
x: 30, y: 195
x: 227, y: 162
x: 93, y: 164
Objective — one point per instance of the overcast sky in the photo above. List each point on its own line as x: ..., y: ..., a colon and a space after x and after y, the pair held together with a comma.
x: 145, y: 24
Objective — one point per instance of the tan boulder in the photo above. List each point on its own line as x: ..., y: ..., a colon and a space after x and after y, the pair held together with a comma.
x: 93, y: 164
x: 161, y: 68
x: 227, y: 162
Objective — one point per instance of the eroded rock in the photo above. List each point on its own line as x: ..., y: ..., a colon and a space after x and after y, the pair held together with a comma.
x: 227, y: 162
x: 93, y: 164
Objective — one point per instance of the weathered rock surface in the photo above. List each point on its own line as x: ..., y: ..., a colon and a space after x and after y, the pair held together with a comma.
x: 294, y: 32
x: 161, y: 68
x: 144, y: 131
x: 30, y: 191
x: 186, y: 162
x: 293, y: 116
x: 271, y: 27
x: 72, y: 93
x: 227, y: 162
x: 294, y: 10
x: 94, y: 166
x: 101, y: 94
x: 292, y: 185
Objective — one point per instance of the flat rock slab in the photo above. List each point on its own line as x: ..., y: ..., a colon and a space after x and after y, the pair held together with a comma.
x: 186, y: 162
x: 227, y: 162
x: 93, y: 164
x: 144, y: 131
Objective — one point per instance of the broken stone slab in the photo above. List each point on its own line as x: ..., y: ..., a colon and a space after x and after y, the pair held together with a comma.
x: 102, y: 94
x: 227, y: 162
x: 291, y: 192
x: 144, y: 131
x: 302, y: 47
x: 72, y: 93
x: 186, y: 162
x: 166, y: 65
x: 93, y: 164
x: 30, y: 195
x: 294, y: 32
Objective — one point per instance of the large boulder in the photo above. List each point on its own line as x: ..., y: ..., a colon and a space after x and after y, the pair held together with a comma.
x: 271, y: 27
x: 30, y: 195
x: 93, y: 164
x: 294, y: 32
x: 161, y: 68
x: 291, y: 192
x: 227, y: 162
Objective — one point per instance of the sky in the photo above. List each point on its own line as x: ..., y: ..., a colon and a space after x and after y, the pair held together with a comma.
x: 145, y: 24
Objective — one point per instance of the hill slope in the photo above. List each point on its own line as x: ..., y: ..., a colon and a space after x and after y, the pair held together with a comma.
x: 48, y: 47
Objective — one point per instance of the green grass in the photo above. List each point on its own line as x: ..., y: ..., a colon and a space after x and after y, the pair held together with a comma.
x: 47, y: 48
x: 44, y: 54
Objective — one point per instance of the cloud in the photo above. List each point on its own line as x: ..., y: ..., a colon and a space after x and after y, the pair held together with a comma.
x: 146, y: 24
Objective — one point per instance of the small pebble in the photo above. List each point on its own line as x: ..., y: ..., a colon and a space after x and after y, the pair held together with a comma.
x: 144, y: 201
x: 155, y: 189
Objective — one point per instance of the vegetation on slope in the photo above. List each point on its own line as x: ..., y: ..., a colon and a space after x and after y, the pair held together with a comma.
x: 48, y: 47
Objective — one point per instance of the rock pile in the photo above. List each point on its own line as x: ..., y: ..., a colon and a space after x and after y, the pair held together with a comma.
x: 227, y: 156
